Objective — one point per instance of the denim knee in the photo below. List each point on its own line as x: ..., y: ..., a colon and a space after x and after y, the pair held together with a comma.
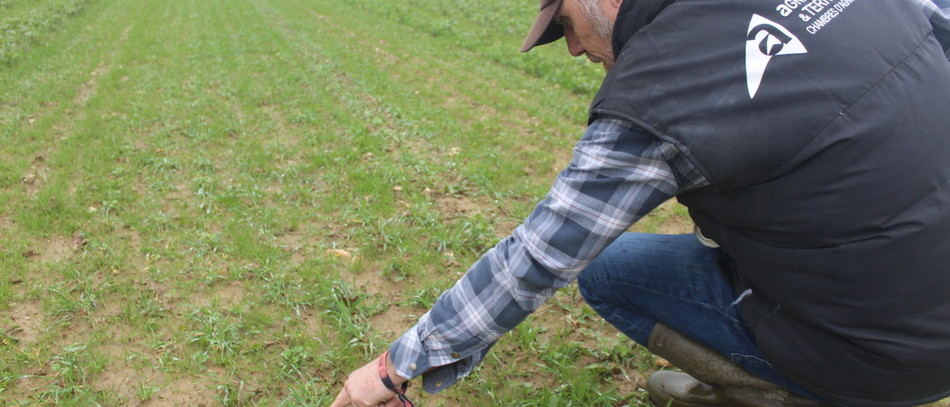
x: 587, y: 285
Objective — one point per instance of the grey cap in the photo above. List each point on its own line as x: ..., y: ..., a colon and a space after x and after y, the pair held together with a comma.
x: 544, y: 30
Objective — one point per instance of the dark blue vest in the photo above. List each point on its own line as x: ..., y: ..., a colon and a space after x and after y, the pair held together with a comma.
x: 824, y: 129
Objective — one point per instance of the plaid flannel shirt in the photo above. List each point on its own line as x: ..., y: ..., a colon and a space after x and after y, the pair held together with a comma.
x: 938, y: 12
x: 618, y: 174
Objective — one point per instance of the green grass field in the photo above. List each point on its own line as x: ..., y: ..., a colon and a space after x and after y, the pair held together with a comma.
x: 237, y: 202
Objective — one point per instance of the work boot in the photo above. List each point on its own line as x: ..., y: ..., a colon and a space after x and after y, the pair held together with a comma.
x: 711, y: 379
x: 677, y: 389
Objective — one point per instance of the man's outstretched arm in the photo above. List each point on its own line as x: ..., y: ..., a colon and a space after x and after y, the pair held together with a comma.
x: 618, y: 174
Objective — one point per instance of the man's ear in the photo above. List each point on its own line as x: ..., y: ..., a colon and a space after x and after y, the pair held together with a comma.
x: 615, y: 5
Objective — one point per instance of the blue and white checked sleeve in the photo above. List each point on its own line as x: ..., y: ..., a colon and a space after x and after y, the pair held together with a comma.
x: 618, y: 174
x: 938, y: 12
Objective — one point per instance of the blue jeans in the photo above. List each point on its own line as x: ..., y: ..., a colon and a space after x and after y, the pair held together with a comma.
x: 642, y: 279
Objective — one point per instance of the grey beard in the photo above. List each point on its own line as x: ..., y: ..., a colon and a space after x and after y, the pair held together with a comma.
x: 598, y: 20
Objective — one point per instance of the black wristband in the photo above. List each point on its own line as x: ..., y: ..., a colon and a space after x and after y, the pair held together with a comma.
x: 388, y: 382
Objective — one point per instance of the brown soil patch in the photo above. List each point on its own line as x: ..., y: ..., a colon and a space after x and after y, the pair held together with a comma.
x: 27, y: 321
x: 6, y: 224
x: 118, y: 377
x: 37, y: 175
x: 86, y: 89
x: 458, y: 206
x: 371, y: 281
x: 222, y: 296
x: 188, y: 391
x: 232, y: 293
x: 394, y: 321
x: 30, y: 383
x: 315, y: 325
x: 121, y: 382
x: 296, y: 244
x: 124, y: 375
x: 53, y: 250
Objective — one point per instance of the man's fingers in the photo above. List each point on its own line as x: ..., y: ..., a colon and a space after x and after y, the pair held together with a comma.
x: 342, y: 399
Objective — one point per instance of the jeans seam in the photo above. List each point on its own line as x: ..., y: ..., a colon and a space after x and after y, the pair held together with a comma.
x: 665, y: 294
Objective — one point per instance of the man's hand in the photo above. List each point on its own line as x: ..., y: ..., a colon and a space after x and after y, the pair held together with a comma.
x: 364, y: 388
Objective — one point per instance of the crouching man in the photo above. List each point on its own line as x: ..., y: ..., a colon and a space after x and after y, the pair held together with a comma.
x: 811, y: 143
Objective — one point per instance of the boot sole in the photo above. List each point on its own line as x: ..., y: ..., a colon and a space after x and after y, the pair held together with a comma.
x: 674, y: 403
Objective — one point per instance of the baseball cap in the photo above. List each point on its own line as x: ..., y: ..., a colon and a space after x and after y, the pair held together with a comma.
x: 544, y: 30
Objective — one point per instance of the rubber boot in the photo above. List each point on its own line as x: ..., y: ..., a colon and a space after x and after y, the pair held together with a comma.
x: 711, y: 379
x: 677, y: 389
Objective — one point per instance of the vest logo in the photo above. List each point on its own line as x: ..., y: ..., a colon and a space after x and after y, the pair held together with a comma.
x: 766, y: 39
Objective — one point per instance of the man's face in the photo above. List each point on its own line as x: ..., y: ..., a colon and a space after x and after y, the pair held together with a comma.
x: 587, y: 30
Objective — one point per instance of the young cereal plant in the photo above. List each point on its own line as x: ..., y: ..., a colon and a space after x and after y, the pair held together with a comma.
x: 74, y: 367
x: 145, y: 310
x: 217, y: 335
x: 235, y: 394
x: 280, y: 289
x: 79, y: 294
x: 310, y: 393
x: 424, y: 298
x: 296, y: 361
x: 146, y: 391
x: 351, y: 316
x: 576, y: 386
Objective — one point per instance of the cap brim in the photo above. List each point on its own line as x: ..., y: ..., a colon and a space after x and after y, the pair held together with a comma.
x: 544, y: 30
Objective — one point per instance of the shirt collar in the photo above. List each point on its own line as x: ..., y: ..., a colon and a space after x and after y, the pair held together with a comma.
x: 633, y: 16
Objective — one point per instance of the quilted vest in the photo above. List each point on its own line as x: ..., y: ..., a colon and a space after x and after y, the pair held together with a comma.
x: 823, y: 127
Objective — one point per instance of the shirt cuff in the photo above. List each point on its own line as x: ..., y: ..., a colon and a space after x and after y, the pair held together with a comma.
x: 413, y: 357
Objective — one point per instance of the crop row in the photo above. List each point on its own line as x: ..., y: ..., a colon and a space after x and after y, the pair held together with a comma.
x: 7, y: 5
x: 492, y: 30
x: 19, y: 31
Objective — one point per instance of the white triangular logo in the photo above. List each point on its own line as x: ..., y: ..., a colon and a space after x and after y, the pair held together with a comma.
x: 766, y: 39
